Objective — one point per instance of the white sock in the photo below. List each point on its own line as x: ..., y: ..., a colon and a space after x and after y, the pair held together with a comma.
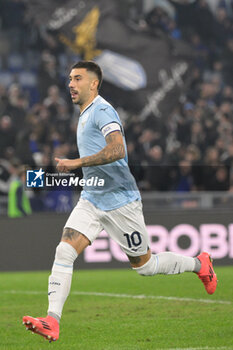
x: 60, y: 278
x: 170, y: 263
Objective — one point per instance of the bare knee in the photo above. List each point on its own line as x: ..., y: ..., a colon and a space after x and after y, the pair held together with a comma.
x: 69, y: 234
x: 138, y: 261
x: 75, y: 238
x: 149, y: 268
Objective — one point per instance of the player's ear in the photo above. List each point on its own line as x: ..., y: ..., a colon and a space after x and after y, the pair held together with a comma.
x: 94, y: 84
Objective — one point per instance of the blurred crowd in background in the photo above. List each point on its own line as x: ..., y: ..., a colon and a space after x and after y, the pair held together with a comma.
x: 191, y: 150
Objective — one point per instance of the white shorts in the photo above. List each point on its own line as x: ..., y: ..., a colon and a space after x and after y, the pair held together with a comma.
x: 124, y: 225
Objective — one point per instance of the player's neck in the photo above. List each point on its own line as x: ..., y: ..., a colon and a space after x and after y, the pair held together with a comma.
x: 88, y: 102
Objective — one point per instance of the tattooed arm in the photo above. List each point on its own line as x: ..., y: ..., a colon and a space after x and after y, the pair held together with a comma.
x: 113, y: 151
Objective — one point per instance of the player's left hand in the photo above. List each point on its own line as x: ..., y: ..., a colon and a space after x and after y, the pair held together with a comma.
x: 65, y: 165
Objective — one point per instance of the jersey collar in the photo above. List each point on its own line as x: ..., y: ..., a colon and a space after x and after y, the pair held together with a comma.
x: 93, y: 101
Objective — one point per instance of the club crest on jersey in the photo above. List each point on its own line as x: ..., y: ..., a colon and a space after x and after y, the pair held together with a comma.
x: 83, y: 121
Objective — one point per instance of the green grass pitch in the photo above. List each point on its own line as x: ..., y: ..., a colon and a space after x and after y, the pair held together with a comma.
x: 116, y: 321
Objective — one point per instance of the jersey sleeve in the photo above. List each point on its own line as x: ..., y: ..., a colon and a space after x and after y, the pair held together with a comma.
x: 106, y: 116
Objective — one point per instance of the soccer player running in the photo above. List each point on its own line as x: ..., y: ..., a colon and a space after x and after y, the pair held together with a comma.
x: 116, y: 207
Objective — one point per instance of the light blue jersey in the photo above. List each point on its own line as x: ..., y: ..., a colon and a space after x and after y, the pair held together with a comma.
x: 119, y: 186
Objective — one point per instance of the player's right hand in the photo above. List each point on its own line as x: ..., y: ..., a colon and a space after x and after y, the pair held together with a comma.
x: 65, y: 165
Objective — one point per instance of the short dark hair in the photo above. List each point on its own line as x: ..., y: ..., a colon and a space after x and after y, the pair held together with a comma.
x: 91, y: 67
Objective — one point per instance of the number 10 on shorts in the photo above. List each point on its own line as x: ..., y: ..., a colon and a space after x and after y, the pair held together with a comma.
x: 133, y: 240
